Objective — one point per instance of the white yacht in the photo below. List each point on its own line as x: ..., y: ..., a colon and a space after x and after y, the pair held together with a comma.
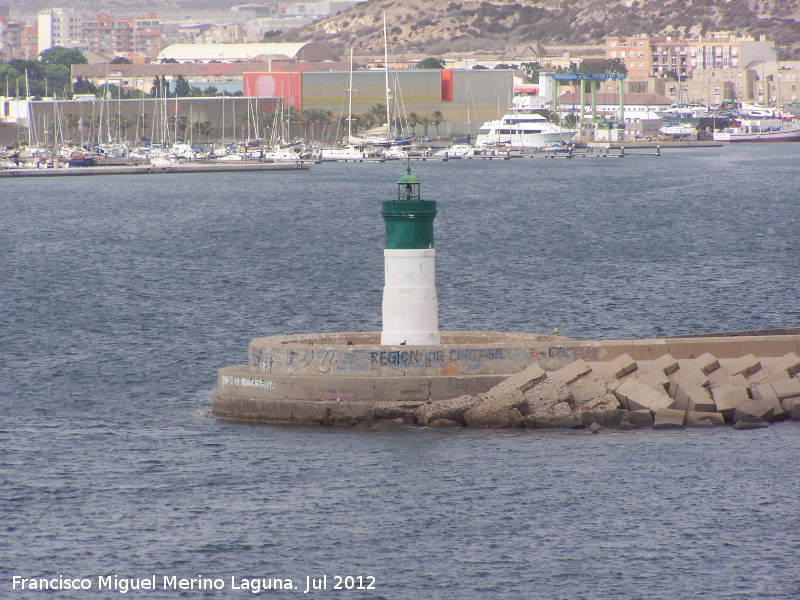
x: 760, y: 130
x: 522, y: 128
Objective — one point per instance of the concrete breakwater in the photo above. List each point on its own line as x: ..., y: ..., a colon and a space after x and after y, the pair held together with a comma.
x: 486, y: 379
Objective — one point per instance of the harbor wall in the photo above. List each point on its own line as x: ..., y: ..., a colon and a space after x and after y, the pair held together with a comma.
x: 301, y: 378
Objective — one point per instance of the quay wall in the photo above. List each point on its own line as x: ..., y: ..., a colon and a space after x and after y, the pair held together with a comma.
x: 301, y: 378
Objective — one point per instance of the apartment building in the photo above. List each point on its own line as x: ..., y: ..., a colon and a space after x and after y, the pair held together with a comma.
x: 122, y: 35
x: 59, y: 27
x: 654, y: 56
x: 18, y: 39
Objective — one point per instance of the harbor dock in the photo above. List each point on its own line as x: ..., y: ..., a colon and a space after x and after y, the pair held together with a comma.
x: 192, y: 167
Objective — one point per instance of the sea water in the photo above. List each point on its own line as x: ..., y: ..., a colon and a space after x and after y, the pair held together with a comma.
x: 120, y: 296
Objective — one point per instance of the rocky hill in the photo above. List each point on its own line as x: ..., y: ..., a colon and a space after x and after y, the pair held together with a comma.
x: 437, y: 27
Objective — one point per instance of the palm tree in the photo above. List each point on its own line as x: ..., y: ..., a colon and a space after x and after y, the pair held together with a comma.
x: 379, y: 112
x: 425, y: 121
x: 73, y: 121
x: 367, y: 120
x: 201, y: 129
x: 413, y: 121
x: 438, y: 119
x: 183, y: 125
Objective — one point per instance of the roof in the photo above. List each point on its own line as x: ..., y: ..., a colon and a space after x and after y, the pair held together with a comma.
x: 205, y: 69
x: 234, y: 52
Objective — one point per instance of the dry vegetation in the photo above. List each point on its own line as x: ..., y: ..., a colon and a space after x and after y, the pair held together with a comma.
x: 436, y: 27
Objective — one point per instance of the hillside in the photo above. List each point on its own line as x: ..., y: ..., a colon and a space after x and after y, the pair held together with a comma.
x: 437, y: 27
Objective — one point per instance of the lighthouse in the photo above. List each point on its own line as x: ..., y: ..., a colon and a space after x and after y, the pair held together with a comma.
x: 410, y: 305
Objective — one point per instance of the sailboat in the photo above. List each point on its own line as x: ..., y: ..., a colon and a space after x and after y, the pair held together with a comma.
x: 352, y: 151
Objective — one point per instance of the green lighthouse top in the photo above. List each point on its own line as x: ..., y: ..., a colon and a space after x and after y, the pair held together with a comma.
x: 409, y: 220
x: 408, y: 187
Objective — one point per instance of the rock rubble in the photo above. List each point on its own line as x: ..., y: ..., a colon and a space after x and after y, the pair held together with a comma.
x: 664, y: 393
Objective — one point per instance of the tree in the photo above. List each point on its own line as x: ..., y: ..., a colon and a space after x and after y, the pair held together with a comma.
x: 531, y: 70
x: 160, y: 87
x: 413, y: 121
x: 73, y: 123
x: 182, y: 87
x: 58, y: 55
x: 109, y: 91
x: 120, y: 60
x: 378, y: 112
x: 425, y: 121
x: 203, y: 128
x: 83, y: 86
x: 431, y: 63
x: 183, y: 125
x: 58, y: 78
x: 437, y: 119
x: 614, y: 65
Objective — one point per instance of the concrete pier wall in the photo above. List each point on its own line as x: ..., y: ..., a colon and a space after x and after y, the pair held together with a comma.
x: 297, y: 378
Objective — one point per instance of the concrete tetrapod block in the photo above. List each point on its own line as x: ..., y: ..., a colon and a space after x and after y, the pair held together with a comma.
x: 546, y: 393
x: 789, y: 388
x: 560, y: 416
x: 728, y: 398
x: 795, y: 414
x: 765, y: 393
x: 636, y: 396
x: 587, y: 389
x: 599, y: 410
x: 669, y: 418
x: 791, y: 408
x: 572, y: 372
x: 746, y: 365
x: 500, y: 406
x: 641, y: 418
x: 443, y: 423
x: 451, y: 410
x: 690, y: 377
x: 664, y: 364
x: 752, y: 423
x: 700, y: 400
x: 791, y: 364
x: 704, y: 419
x: 615, y: 417
x: 524, y: 380
x: 707, y: 363
x: 622, y: 365
x: 753, y: 409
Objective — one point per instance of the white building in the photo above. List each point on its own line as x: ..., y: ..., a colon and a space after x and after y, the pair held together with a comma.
x: 310, y: 51
x: 59, y: 27
x: 320, y: 9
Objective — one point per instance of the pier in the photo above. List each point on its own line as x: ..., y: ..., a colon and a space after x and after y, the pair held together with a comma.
x: 194, y: 167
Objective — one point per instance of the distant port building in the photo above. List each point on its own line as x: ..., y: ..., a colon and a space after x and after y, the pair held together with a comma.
x: 712, y: 69
x: 448, y: 103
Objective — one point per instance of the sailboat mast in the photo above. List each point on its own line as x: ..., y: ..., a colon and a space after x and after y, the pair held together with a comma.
x: 350, y: 102
x: 386, y: 65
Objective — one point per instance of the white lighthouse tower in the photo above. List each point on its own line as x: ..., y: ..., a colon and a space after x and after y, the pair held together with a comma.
x: 410, y: 304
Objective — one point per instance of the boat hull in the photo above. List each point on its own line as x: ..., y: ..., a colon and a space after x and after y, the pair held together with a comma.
x: 760, y: 130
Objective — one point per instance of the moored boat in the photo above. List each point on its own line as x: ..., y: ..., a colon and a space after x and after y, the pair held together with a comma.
x: 522, y: 128
x: 760, y: 130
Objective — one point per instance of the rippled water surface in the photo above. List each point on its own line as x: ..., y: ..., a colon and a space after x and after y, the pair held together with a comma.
x: 121, y: 296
